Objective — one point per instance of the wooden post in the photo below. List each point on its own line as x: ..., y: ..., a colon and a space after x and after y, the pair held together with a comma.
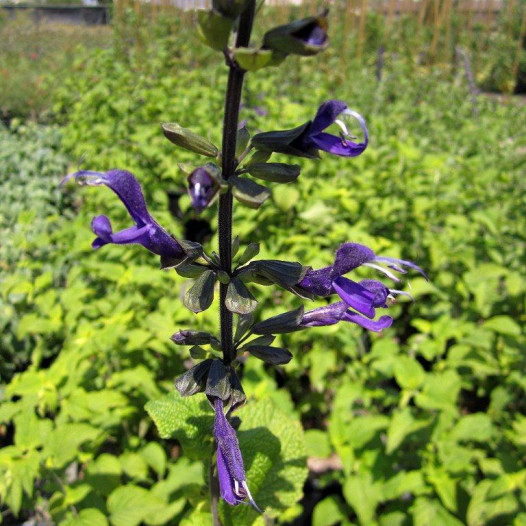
x: 361, y: 30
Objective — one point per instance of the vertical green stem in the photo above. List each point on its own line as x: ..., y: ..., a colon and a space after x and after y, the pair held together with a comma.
x: 231, y: 117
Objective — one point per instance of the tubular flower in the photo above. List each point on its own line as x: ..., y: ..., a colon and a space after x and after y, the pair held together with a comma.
x: 202, y: 187
x: 146, y: 231
x: 306, y: 140
x: 363, y: 297
x: 230, y: 469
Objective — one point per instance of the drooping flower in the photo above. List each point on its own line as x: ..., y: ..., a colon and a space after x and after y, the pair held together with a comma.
x: 363, y: 297
x: 306, y: 140
x: 230, y: 468
x: 203, y: 187
x: 146, y: 231
x: 302, y: 37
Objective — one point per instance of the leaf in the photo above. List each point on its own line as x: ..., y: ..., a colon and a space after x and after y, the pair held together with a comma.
x: 214, y: 28
x: 503, y: 325
x: 250, y: 252
x: 242, y: 140
x: 445, y: 486
x: 189, y: 420
x: 104, y: 473
x: 401, y: 425
x: 275, y: 172
x: 200, y: 296
x: 440, y: 391
x: 363, y: 495
x: 244, y: 323
x: 238, y: 298
x: 273, y: 355
x: 248, y: 192
x: 64, y: 442
x: 130, y: 505
x: 218, y: 382
x: 280, y: 324
x: 408, y: 372
x: 273, y: 449
x: 155, y: 457
x: 329, y: 512
x: 426, y: 512
x: 317, y: 443
x: 189, y: 140
x: 194, y: 380
x: 476, y: 427
x: 252, y: 59
x: 86, y: 517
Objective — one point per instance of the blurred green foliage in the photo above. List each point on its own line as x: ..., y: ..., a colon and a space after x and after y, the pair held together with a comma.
x: 424, y: 423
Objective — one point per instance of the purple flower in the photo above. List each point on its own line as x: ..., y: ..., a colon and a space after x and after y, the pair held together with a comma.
x: 230, y: 469
x: 202, y: 188
x: 306, y: 140
x: 328, y: 114
x: 363, y: 297
x: 146, y: 231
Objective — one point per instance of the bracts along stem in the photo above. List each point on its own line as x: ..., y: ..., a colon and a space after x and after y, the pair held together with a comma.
x: 228, y: 153
x: 228, y: 160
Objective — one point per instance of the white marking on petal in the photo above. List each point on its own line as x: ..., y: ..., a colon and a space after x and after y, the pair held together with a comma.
x: 249, y: 495
x: 383, y: 270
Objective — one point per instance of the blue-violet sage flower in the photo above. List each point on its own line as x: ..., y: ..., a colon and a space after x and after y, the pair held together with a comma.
x: 306, y: 140
x: 203, y: 186
x: 230, y: 469
x: 146, y: 231
x: 364, y: 297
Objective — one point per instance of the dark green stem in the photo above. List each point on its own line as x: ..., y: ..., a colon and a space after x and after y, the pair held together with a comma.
x: 231, y: 117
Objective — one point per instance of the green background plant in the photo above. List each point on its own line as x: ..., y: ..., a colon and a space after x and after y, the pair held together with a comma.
x: 426, y: 421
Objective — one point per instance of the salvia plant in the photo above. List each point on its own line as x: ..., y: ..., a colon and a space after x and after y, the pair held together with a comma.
x: 230, y: 175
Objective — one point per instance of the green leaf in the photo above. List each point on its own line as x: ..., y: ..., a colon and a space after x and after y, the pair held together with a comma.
x: 242, y: 140
x: 445, y: 486
x: 476, y: 427
x: 409, y: 373
x: 363, y: 495
x: 189, y: 420
x: 155, y: 457
x: 189, y: 140
x: 272, y: 355
x: 426, y: 512
x: 200, y: 296
x: 86, y: 517
x: 317, y: 443
x: 248, y: 192
x: 130, y: 505
x: 214, y: 28
x: 134, y: 465
x: 104, y: 473
x: 64, y: 442
x: 251, y: 59
x: 194, y: 380
x: 329, y: 512
x: 274, y: 172
x: 238, y: 298
x: 273, y: 449
x: 401, y: 425
x: 503, y: 325
x: 250, y: 252
x: 280, y: 324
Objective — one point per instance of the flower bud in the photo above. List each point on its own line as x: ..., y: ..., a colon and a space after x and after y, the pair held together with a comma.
x: 203, y: 186
x: 304, y: 37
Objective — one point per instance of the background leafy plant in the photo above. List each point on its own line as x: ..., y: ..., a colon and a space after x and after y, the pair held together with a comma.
x: 427, y: 420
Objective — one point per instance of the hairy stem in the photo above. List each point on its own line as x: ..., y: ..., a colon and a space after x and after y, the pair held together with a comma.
x: 231, y: 117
